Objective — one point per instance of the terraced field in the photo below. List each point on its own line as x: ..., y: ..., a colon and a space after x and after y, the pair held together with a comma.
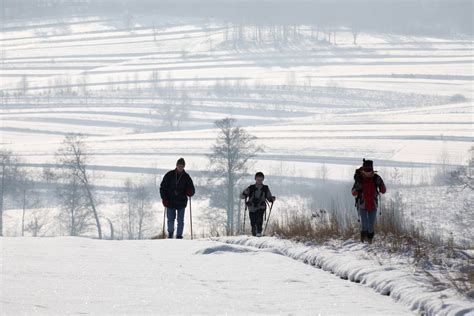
x: 150, y: 93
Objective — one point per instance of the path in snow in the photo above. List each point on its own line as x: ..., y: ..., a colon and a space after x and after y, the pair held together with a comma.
x: 76, y: 275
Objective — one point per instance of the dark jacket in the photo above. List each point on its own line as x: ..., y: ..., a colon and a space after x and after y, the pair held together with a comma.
x: 175, y: 189
x: 257, y: 197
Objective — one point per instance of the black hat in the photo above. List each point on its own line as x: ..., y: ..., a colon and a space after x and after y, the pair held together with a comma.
x: 181, y: 162
x: 259, y: 174
x: 368, y: 165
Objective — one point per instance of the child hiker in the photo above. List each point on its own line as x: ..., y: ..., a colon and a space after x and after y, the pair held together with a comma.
x: 367, y: 187
x: 256, y: 196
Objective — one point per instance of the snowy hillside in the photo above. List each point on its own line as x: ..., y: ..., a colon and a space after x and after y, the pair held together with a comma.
x: 99, y: 99
x: 81, y: 276
x: 318, y: 104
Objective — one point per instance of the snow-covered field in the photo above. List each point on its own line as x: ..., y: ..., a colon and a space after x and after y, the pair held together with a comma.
x: 146, y: 89
x: 405, y: 101
x: 59, y: 276
x: 66, y: 275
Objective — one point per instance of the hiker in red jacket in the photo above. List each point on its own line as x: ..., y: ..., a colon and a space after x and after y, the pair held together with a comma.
x: 367, y: 186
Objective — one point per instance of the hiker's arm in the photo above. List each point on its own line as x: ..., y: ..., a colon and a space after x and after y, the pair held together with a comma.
x: 164, y: 190
x: 190, y: 189
x: 245, y: 194
x: 356, y: 188
x: 270, y: 197
x: 164, y: 187
x: 381, y: 185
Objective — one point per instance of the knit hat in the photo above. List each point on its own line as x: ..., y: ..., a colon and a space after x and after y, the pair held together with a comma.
x: 367, y: 165
x: 181, y: 162
x: 259, y: 174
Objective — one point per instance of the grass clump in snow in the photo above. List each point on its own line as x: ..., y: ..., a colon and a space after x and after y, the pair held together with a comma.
x: 448, y: 264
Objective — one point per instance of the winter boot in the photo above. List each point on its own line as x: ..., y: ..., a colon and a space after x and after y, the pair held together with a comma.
x: 254, y: 231
x: 179, y: 237
x: 370, y: 237
x: 170, y: 235
x: 363, y: 236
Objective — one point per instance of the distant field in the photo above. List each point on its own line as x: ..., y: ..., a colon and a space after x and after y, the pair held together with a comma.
x: 403, y: 101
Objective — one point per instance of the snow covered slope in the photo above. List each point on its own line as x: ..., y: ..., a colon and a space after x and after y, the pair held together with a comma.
x: 59, y: 276
x: 308, y: 100
x: 318, y: 106
x: 386, y: 274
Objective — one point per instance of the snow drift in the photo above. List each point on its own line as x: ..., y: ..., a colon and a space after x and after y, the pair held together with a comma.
x: 352, y: 262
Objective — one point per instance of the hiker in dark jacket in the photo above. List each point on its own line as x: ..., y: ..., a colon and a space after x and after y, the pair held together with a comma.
x: 175, y: 189
x: 256, y: 196
x: 367, y: 187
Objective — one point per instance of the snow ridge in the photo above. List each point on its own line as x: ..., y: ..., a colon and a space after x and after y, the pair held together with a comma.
x: 400, y: 282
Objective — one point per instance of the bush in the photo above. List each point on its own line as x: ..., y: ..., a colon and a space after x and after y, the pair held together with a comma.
x: 457, y: 98
x: 318, y: 226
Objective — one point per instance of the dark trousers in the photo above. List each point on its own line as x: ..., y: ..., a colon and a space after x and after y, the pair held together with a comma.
x: 256, y: 221
x: 171, y: 213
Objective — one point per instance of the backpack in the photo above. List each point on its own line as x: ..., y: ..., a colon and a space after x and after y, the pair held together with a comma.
x: 358, y: 182
x: 252, y: 189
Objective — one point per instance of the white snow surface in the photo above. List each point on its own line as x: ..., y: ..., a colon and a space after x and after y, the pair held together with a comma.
x: 354, y: 262
x: 67, y: 275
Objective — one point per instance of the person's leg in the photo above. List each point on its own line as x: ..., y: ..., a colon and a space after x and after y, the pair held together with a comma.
x: 371, y: 224
x: 179, y: 231
x: 253, y: 222
x: 171, y: 213
x: 259, y: 221
x: 364, y: 220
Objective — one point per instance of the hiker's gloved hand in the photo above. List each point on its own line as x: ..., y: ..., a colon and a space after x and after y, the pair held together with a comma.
x: 189, y: 192
x: 273, y: 198
x: 166, y: 203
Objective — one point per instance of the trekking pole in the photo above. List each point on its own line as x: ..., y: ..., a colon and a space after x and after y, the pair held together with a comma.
x: 380, y: 204
x: 191, y: 216
x: 164, y: 220
x: 268, y: 219
x: 245, y: 215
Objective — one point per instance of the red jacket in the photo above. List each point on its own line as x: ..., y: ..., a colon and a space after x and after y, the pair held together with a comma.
x: 366, y: 190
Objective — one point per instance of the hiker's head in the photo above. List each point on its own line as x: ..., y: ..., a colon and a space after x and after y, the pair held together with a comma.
x: 180, y: 164
x: 368, y: 168
x: 259, y: 177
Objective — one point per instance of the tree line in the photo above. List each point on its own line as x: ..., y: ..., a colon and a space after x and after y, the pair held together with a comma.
x: 78, y: 199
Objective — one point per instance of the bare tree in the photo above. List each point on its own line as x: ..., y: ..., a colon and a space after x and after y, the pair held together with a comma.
x: 128, y: 21
x: 130, y: 214
x: 216, y: 221
x: 143, y: 207
x: 111, y: 227
x: 174, y: 111
x: 48, y: 175
x: 83, y: 83
x: 74, y: 158
x: 463, y: 175
x: 230, y: 158
x: 39, y: 219
x: 155, y: 82
x: 8, y: 179
x: 23, y: 85
x: 29, y: 198
x: 139, y: 208
x: 355, y: 33
x: 75, y: 217
x: 323, y: 172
